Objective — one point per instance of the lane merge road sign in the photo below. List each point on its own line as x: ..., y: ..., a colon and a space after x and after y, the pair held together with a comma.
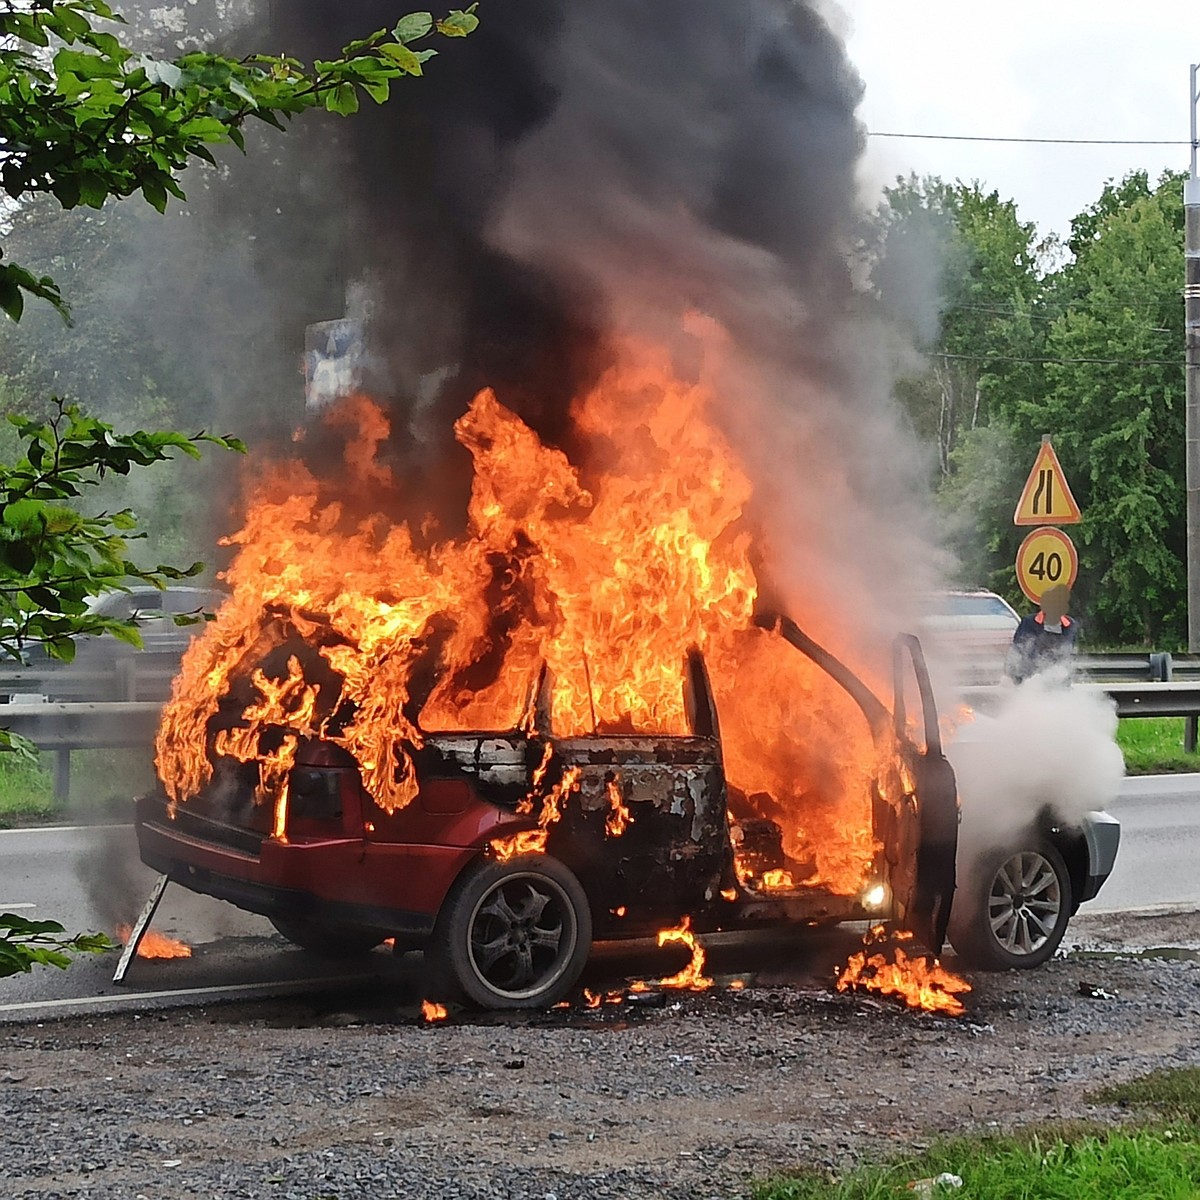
x: 1046, y: 559
x: 1046, y: 498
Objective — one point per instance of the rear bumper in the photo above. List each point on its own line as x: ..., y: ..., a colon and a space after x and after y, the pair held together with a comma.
x: 1102, y: 833
x: 395, y: 888
x: 271, y: 900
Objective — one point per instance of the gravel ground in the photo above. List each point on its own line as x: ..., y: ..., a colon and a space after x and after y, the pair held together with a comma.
x: 694, y: 1099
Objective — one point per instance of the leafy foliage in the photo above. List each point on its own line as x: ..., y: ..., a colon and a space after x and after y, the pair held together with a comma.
x: 1086, y: 350
x: 85, y: 118
x: 27, y: 944
x: 54, y: 558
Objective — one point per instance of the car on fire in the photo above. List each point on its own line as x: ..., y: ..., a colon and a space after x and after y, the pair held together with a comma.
x: 504, y: 868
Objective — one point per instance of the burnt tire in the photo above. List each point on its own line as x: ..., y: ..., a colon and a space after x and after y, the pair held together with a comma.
x: 513, y: 934
x: 326, y: 938
x: 1012, y: 909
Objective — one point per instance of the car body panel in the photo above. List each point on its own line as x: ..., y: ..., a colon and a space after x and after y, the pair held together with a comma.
x: 343, y: 857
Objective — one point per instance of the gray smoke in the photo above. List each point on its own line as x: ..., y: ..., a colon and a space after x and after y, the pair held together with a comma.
x: 572, y: 173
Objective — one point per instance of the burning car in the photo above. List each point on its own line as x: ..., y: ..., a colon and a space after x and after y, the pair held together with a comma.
x: 479, y: 740
x: 522, y: 847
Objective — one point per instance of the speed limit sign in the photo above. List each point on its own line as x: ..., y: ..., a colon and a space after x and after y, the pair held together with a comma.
x: 1046, y: 559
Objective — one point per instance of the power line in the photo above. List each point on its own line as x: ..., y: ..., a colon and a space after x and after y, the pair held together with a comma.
x: 1109, y: 362
x: 968, y: 137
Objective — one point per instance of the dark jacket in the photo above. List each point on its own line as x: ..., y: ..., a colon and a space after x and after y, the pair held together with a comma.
x: 1034, y: 649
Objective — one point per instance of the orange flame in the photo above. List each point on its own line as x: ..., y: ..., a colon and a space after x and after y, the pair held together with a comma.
x: 155, y: 944
x: 919, y: 980
x: 431, y: 1013
x: 336, y: 610
x: 619, y: 817
x: 533, y: 841
x: 692, y: 977
x: 777, y: 880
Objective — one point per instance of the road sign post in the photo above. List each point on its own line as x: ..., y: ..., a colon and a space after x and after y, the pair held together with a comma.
x: 1047, y: 557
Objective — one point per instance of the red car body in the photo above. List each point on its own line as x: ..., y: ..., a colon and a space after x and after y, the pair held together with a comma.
x: 346, y: 874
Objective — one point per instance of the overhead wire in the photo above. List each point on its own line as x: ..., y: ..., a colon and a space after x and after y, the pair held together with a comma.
x: 1033, y: 141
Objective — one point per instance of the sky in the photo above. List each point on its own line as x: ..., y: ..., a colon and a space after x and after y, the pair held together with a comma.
x: 1024, y: 68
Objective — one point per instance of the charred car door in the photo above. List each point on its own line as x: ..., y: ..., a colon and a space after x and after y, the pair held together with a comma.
x: 915, y: 800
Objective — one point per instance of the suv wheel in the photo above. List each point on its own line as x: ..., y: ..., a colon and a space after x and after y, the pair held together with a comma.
x: 513, y: 934
x: 1012, y: 909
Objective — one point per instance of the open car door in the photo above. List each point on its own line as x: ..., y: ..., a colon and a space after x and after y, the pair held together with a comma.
x: 923, y: 884
x: 916, y: 798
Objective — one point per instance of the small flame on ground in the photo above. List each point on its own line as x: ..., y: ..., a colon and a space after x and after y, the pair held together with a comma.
x: 431, y: 1013
x: 597, y: 999
x: 919, y: 980
x: 692, y: 977
x: 154, y: 944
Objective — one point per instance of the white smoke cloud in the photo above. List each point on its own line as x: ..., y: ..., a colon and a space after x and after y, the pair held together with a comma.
x: 1046, y: 746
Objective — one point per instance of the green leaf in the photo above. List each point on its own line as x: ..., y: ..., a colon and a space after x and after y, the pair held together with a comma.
x: 407, y: 60
x: 342, y: 100
x: 415, y: 25
x: 459, y: 23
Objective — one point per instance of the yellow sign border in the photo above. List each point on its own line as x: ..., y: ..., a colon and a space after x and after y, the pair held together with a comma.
x: 1072, y: 555
x: 1047, y: 459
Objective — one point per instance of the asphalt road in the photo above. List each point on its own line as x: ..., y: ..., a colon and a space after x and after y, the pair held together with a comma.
x: 90, y: 878
x: 1158, y: 864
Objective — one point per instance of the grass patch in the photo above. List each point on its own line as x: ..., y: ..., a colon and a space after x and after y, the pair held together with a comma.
x: 103, y: 782
x: 1152, y: 745
x: 1146, y: 1164
x: 26, y: 792
x: 1172, y: 1093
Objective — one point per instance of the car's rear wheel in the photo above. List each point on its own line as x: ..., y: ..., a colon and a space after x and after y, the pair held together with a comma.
x: 513, y: 934
x: 327, y: 938
x: 1012, y: 909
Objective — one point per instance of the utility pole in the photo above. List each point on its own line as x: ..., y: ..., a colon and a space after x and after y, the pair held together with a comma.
x: 1191, y: 318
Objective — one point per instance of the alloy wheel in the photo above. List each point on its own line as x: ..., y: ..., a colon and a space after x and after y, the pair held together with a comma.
x: 1024, y: 903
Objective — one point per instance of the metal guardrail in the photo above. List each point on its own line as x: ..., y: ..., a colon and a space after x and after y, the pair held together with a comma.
x: 132, y: 677
x: 62, y: 728
x: 110, y: 704
x: 1154, y: 666
x: 1131, y: 699
x: 119, y: 707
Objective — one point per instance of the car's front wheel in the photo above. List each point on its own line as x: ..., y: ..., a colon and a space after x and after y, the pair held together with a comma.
x: 513, y: 934
x: 1011, y: 909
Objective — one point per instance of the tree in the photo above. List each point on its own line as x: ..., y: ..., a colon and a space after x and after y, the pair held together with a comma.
x: 976, y: 321
x: 1104, y: 378
x: 1114, y: 401
x: 83, y: 118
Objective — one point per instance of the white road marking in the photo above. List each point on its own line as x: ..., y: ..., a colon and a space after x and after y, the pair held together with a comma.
x: 15, y: 907
x: 59, y: 829
x: 191, y: 993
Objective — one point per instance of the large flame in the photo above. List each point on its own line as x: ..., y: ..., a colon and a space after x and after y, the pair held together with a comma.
x: 369, y: 632
x: 919, y: 980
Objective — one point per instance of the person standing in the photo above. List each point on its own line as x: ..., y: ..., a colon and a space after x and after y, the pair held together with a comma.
x: 1044, y: 639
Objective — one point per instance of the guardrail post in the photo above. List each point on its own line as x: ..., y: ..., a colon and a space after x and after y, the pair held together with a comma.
x: 126, y: 672
x: 62, y: 776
